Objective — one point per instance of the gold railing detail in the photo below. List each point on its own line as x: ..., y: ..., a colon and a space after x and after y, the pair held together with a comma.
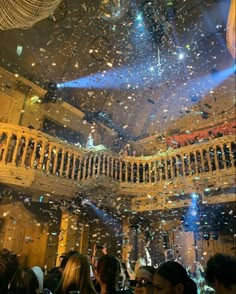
x: 24, y: 147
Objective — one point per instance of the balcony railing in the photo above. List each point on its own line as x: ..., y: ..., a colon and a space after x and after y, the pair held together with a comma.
x: 24, y: 147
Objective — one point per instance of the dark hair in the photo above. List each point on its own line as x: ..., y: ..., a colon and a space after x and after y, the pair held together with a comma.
x: 24, y: 281
x: 148, y: 268
x: 8, y: 266
x: 221, y: 267
x: 108, y: 271
x: 176, y: 274
x: 66, y: 257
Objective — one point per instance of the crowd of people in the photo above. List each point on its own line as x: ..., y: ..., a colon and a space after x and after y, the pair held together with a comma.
x: 106, y: 274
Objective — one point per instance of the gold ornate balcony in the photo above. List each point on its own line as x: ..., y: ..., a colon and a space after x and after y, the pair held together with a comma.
x: 36, y: 161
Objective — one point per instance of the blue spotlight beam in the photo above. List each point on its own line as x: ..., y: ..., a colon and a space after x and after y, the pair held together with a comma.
x: 140, y: 76
x: 120, y: 78
x: 105, y: 217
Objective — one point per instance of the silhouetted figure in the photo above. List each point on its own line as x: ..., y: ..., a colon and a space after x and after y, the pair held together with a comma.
x: 172, y: 278
x: 220, y: 273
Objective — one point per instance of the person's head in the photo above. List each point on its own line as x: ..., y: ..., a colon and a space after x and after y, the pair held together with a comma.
x: 140, y: 262
x: 76, y: 275
x: 220, y: 273
x: 8, y: 266
x: 172, y: 278
x: 144, y: 277
x: 109, y: 273
x: 24, y: 281
x: 66, y: 257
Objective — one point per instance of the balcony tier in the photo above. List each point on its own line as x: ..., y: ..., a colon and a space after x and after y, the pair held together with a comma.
x: 33, y: 160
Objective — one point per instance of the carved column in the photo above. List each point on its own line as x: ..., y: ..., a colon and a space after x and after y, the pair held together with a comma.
x: 68, y: 234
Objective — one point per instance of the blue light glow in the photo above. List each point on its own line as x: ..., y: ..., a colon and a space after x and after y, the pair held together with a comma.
x: 139, y: 17
x: 194, y: 196
x: 105, y: 217
x: 60, y: 86
x: 181, y: 56
x: 138, y: 76
x: 120, y: 78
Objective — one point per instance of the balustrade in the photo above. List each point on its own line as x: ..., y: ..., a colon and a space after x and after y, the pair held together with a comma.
x: 33, y: 149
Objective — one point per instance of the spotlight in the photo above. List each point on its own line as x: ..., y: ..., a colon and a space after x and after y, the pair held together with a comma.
x: 151, y: 68
x: 206, y: 236
x: 219, y: 28
x: 86, y: 201
x: 205, y: 115
x: 181, y: 56
x: 51, y: 95
x: 194, y: 196
x: 52, y: 86
x: 59, y: 86
x: 139, y: 17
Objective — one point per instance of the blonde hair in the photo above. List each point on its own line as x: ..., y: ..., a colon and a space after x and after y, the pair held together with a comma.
x: 76, y: 276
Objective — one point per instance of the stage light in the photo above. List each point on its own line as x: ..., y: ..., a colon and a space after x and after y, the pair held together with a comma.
x: 52, y: 86
x: 151, y: 68
x: 139, y: 17
x: 206, y: 236
x: 204, y: 114
x: 52, y: 94
x: 194, y: 196
x: 59, y: 86
x: 181, y: 56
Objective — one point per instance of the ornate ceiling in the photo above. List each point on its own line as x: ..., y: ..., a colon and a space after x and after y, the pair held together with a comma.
x: 127, y: 62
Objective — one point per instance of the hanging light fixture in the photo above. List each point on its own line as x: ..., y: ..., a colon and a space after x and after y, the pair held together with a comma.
x: 23, y: 14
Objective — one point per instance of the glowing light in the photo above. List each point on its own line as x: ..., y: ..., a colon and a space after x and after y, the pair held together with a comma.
x: 139, y: 17
x: 181, y: 56
x: 193, y: 212
x: 194, y: 196
x: 127, y: 77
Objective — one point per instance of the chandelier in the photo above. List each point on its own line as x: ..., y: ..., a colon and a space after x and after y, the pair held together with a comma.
x: 23, y: 14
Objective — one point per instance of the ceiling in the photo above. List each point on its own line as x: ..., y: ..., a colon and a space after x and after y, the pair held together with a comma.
x: 128, y: 70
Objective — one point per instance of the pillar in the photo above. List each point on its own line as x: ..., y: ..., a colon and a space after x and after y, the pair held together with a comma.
x: 68, y: 234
